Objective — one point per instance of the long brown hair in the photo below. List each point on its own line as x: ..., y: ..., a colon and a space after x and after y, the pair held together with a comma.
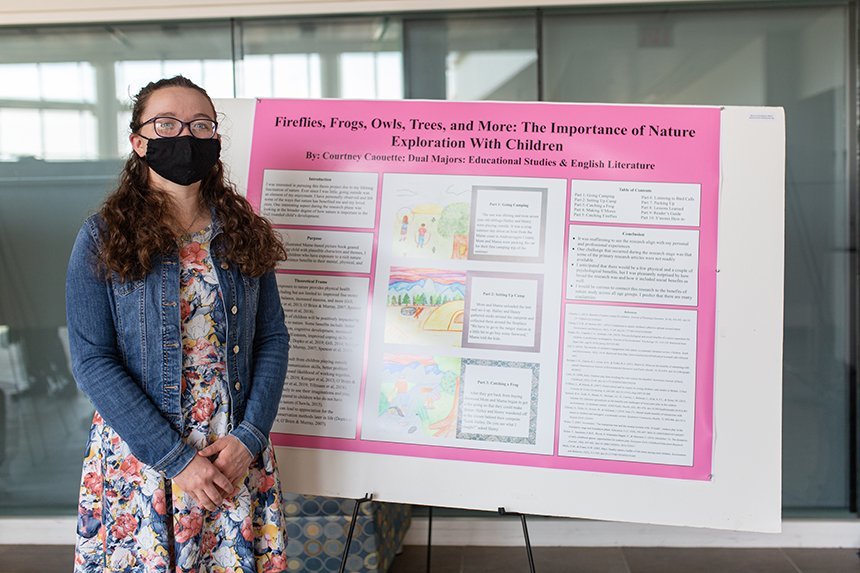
x: 140, y: 222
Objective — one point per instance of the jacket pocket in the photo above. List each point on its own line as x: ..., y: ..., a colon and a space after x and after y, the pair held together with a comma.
x: 252, y: 294
x: 128, y: 321
x: 124, y: 288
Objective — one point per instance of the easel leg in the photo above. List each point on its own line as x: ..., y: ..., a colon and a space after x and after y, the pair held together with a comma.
x: 429, y: 535
x: 358, y: 502
x: 525, y: 536
x: 528, y: 543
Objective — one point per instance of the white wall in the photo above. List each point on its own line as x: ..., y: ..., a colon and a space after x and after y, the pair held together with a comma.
x: 80, y: 11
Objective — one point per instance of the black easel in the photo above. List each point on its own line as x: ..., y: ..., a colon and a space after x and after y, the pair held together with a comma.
x: 358, y: 502
x: 525, y: 535
x: 502, y: 512
x: 429, y: 534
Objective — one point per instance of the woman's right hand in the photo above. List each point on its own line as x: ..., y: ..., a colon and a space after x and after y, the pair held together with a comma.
x: 204, y: 482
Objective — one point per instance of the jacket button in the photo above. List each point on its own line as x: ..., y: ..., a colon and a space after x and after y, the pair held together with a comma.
x: 237, y: 386
x: 225, y: 266
x: 235, y: 309
x: 236, y: 349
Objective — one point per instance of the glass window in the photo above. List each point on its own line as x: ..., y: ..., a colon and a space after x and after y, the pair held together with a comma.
x: 371, y: 75
x: 64, y: 113
x: 299, y: 76
x: 348, y: 58
x: 795, y: 58
x: 287, y: 75
x: 68, y: 134
x: 55, y: 81
x: 20, y: 133
x: 472, y: 57
x: 63, y: 128
x: 19, y: 81
x: 39, y: 100
x: 68, y: 81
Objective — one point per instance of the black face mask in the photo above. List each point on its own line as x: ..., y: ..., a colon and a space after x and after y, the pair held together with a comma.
x: 183, y: 160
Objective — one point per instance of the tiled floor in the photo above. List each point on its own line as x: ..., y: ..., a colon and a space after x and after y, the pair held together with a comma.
x: 58, y: 559
x: 627, y: 560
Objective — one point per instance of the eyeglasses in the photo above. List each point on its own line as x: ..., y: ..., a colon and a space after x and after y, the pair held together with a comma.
x: 172, y: 127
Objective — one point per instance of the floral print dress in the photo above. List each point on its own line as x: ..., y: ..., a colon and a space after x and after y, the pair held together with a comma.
x: 131, y: 518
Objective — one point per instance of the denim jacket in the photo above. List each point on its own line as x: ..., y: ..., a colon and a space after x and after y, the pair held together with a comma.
x: 126, y: 348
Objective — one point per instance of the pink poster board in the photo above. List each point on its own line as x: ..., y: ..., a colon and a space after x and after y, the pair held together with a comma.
x: 599, y: 222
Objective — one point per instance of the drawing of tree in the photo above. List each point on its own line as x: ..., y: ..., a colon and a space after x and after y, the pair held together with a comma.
x: 454, y: 223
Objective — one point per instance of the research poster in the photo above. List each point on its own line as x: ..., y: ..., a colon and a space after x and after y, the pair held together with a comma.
x: 528, y: 285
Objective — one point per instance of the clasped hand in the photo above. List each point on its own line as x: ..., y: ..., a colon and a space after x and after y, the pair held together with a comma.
x: 215, y: 472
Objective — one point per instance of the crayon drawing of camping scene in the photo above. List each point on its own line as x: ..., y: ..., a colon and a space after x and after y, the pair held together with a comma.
x: 425, y: 306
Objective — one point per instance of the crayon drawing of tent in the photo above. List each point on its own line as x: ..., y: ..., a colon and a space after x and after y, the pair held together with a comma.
x: 448, y: 316
x: 425, y: 306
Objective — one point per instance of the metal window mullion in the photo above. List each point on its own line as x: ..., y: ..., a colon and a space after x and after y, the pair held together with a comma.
x: 237, y: 54
x: 107, y: 124
x: 539, y: 52
x: 52, y: 105
x: 852, y: 89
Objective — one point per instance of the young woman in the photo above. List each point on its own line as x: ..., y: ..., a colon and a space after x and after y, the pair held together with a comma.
x: 177, y: 336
